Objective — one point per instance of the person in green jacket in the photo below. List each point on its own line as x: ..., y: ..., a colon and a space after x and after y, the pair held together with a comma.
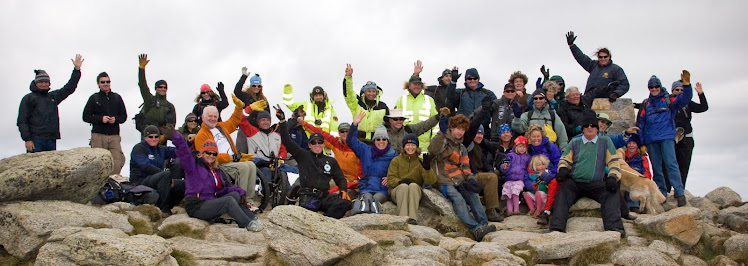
x: 368, y: 102
x: 156, y: 109
x: 318, y: 109
x: 407, y: 175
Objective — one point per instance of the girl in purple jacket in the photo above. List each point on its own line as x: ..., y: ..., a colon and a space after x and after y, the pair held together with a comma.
x: 514, y: 168
x: 208, y: 195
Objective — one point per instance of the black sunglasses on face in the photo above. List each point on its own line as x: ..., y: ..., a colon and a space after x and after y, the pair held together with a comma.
x: 161, y: 87
x: 381, y: 139
x: 192, y: 120
x: 653, y: 87
x: 257, y: 86
x: 105, y: 81
x: 152, y: 136
x: 510, y: 91
x: 677, y: 89
x: 343, y: 131
x: 603, y: 57
x: 398, y: 118
x: 588, y: 125
x: 538, y: 98
x: 203, y: 92
x: 316, y: 142
x: 211, y: 153
x: 471, y: 78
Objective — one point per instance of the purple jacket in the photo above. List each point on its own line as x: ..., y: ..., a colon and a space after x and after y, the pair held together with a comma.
x: 517, y: 168
x: 199, y: 182
x: 552, y: 152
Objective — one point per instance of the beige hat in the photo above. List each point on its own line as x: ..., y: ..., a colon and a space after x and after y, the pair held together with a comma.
x: 605, y: 117
x: 395, y: 113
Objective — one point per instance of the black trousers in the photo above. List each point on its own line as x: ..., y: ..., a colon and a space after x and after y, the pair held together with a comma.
x: 331, y: 204
x: 168, y: 196
x: 570, y: 191
x: 683, y: 154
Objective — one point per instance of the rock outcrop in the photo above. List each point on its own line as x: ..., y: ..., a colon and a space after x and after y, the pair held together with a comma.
x: 679, y: 223
x: 71, y: 175
x: 724, y: 197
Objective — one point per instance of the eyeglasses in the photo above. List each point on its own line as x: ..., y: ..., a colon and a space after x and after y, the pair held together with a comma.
x: 316, y: 142
x: 105, y: 81
x: 191, y: 120
x: 538, y: 98
x: 257, y: 86
x: 203, y: 92
x: 398, y: 118
x: 588, y: 125
x: 603, y: 56
x: 343, y: 131
x: 381, y: 139
x: 161, y: 87
x: 510, y: 91
x: 211, y: 153
x: 471, y: 78
x: 152, y: 136
x: 653, y: 87
x: 677, y: 89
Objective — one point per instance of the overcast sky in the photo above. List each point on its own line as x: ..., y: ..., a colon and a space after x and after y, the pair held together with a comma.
x: 308, y: 43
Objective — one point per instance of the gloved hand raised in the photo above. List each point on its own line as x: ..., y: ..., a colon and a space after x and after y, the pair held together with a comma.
x: 279, y: 113
x: 426, y: 163
x: 143, y: 60
x: 244, y: 71
x: 685, y: 77
x: 570, y: 38
x: 220, y: 86
x: 239, y: 104
x: 517, y: 110
x: 455, y: 74
x: 546, y: 72
x: 259, y: 105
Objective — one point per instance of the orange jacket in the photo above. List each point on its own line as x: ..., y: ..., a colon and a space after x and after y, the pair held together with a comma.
x: 228, y: 127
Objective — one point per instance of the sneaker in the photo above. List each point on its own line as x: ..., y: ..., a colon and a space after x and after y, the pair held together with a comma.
x: 544, y: 218
x: 681, y: 201
x: 483, y: 231
x: 255, y: 225
x: 493, y: 216
x: 252, y: 206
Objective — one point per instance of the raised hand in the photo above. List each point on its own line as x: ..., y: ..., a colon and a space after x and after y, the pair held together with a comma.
x: 632, y: 130
x: 455, y: 74
x: 418, y: 67
x: 245, y: 72
x: 546, y: 72
x: 279, y: 113
x: 237, y: 101
x: 143, y: 60
x: 444, y: 111
x: 570, y: 38
x: 220, y: 86
x: 259, y: 105
x: 698, y: 88
x: 348, y: 70
x: 359, y: 116
x: 78, y: 61
x: 685, y: 77
x: 167, y: 130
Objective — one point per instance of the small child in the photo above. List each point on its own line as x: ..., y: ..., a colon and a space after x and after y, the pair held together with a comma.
x: 536, y: 184
x: 514, y: 168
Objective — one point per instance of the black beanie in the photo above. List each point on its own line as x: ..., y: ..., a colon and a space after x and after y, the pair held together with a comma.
x: 410, y: 138
x: 161, y: 82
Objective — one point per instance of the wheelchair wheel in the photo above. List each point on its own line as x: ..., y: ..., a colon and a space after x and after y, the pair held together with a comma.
x: 278, y: 196
x: 262, y: 191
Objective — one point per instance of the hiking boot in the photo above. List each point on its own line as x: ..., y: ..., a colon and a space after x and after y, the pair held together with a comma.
x: 255, y: 225
x: 629, y: 217
x: 493, y: 216
x: 682, y: 201
x: 544, y: 218
x: 623, y: 233
x: 483, y: 231
x: 412, y: 221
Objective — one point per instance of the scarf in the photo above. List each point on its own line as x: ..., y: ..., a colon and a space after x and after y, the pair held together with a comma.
x: 375, y: 152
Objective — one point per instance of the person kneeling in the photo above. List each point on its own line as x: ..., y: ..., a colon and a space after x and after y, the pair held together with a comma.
x: 581, y: 173
x: 455, y: 180
x: 208, y: 194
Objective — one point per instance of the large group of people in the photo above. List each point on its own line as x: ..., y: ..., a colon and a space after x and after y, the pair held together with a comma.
x: 547, y: 147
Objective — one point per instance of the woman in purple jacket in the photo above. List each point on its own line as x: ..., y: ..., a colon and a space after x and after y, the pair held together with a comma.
x: 208, y: 195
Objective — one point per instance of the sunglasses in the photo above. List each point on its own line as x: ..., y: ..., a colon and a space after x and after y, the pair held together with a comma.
x: 677, y: 89
x: 653, y: 87
x: 538, y: 98
x: 152, y: 136
x: 471, y: 78
x: 257, y: 86
x: 203, y: 92
x: 343, y: 131
x: 398, y: 118
x: 381, y: 139
x: 211, y: 153
x: 161, y: 87
x: 105, y: 81
x: 191, y: 120
x: 603, y: 57
x: 510, y: 91
x: 316, y: 142
x: 588, y: 125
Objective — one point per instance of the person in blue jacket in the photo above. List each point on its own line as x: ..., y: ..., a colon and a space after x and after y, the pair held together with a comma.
x: 606, y: 80
x: 375, y: 159
x: 657, y: 123
x: 467, y: 99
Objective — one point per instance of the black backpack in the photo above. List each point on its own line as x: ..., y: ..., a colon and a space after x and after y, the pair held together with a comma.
x: 140, y: 120
x: 114, y: 191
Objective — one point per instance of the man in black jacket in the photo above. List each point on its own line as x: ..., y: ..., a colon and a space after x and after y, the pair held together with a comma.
x: 105, y: 111
x: 315, y: 172
x: 38, y: 117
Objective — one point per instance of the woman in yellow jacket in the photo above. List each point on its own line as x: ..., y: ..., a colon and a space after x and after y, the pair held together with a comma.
x: 406, y: 175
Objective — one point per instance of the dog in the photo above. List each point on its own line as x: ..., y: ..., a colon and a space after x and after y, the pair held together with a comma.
x: 640, y: 188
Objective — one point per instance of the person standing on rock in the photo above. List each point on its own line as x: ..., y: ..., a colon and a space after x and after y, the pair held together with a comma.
x: 581, y: 173
x: 406, y: 176
x: 105, y: 111
x: 156, y: 110
x: 147, y: 161
x: 606, y: 80
x: 684, y: 148
x: 38, y: 117
x: 657, y: 123
x: 315, y: 172
x: 208, y: 194
x: 455, y: 180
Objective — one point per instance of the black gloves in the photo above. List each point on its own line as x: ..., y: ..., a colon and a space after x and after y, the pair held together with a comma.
x: 611, y: 184
x: 517, y: 109
x: 426, y: 161
x: 486, y: 103
x: 455, y: 76
x: 473, y: 186
x: 570, y: 38
x: 405, y: 181
x: 167, y: 131
x: 546, y: 72
x: 279, y: 112
x: 613, y: 97
x: 562, y: 174
x: 220, y: 86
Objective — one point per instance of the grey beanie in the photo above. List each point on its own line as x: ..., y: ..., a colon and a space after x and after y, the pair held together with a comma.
x: 654, y: 81
x: 263, y: 114
x: 151, y: 130
x: 677, y: 83
x: 41, y: 76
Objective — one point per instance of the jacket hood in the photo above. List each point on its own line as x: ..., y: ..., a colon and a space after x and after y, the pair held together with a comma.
x: 362, y: 98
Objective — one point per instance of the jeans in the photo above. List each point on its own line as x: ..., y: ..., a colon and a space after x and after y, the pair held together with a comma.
x: 461, y: 198
x: 41, y: 145
x: 663, y: 153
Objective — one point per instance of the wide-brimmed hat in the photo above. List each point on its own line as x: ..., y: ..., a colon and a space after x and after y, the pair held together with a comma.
x: 395, y: 113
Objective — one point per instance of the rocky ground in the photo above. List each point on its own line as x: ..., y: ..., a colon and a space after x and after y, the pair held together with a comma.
x: 711, y: 230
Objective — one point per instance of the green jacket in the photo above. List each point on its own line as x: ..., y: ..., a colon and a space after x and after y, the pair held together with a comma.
x: 408, y: 167
x: 421, y: 128
x: 158, y: 111
x: 327, y: 117
x: 587, y: 161
x: 373, y: 117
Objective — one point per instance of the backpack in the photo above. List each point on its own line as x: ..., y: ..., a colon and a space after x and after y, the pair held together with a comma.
x: 549, y: 130
x: 114, y: 191
x: 139, y: 118
x: 365, y: 203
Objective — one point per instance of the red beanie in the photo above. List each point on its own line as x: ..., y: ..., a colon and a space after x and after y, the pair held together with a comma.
x: 204, y: 87
x: 209, y: 145
x: 520, y: 140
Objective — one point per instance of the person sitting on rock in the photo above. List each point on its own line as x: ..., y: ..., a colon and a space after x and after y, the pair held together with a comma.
x: 581, y: 172
x: 455, y: 180
x: 315, y: 171
x: 606, y: 80
x: 208, y: 194
x: 514, y: 168
x: 350, y: 164
x: 394, y: 122
x: 541, y: 114
x: 536, y: 184
x: 147, y: 161
x: 375, y: 159
x: 539, y: 145
x: 638, y: 161
x: 406, y: 176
